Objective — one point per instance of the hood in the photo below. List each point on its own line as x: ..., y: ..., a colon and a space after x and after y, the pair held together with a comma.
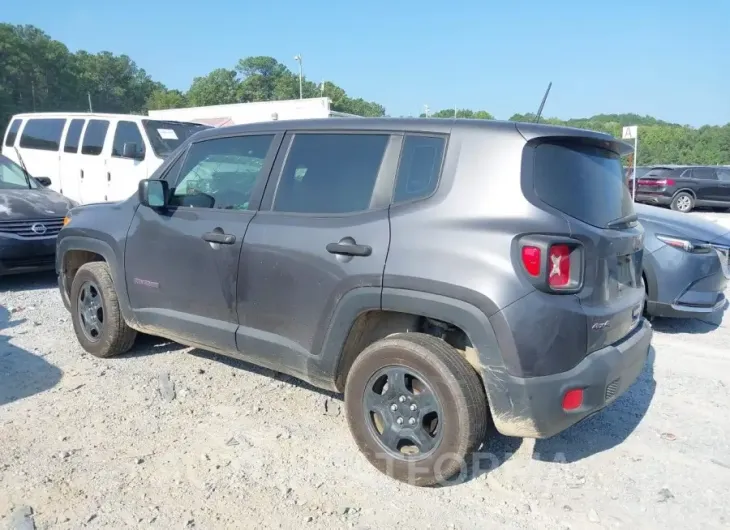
x: 671, y: 223
x: 32, y: 204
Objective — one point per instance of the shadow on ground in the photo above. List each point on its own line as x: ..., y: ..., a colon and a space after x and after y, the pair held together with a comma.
x: 22, y: 373
x: 28, y: 282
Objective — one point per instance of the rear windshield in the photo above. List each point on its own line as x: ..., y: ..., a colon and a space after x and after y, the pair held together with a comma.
x: 584, y: 182
x: 166, y: 136
x: 657, y: 172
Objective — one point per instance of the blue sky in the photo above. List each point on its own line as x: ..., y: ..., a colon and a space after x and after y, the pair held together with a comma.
x: 666, y: 58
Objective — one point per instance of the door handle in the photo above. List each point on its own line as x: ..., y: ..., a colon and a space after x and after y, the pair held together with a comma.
x: 82, y: 173
x: 108, y: 176
x: 218, y: 237
x: 349, y: 249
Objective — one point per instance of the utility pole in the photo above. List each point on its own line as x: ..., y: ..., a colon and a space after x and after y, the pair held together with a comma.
x: 426, y: 110
x: 32, y: 92
x: 89, y: 96
x: 298, y: 58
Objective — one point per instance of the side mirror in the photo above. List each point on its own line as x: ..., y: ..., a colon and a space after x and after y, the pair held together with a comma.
x: 43, y: 181
x: 130, y: 150
x: 153, y: 193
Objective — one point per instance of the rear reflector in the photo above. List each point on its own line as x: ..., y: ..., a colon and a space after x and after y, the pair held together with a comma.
x: 559, y: 266
x: 531, y: 260
x: 573, y: 399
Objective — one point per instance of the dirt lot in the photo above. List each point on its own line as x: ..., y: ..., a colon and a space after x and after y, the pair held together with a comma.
x: 169, y: 437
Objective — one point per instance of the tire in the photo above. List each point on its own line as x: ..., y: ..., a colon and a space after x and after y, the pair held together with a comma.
x: 112, y: 336
x: 683, y: 202
x: 449, y: 386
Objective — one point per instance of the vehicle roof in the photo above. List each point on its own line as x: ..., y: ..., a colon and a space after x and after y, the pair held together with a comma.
x: 436, y: 125
x: 106, y: 115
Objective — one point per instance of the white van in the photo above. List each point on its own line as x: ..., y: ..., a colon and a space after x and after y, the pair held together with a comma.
x: 93, y: 157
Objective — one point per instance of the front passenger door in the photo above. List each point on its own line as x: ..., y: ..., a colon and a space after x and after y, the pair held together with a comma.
x: 182, y: 263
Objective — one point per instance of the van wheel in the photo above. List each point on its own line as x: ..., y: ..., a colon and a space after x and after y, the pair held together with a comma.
x: 683, y: 202
x: 97, y: 319
x: 416, y: 408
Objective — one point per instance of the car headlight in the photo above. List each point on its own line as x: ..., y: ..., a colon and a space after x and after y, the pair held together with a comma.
x: 692, y: 246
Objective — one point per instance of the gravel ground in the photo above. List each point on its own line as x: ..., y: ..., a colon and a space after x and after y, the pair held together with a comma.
x: 172, y: 437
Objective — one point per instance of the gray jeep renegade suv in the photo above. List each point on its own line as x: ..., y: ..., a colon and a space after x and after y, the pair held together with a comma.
x: 442, y: 274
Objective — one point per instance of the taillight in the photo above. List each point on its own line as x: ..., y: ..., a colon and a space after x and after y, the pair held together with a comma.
x: 531, y: 258
x: 553, y: 264
x: 659, y: 183
x: 559, y: 266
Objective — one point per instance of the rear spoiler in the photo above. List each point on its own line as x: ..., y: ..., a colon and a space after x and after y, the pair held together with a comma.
x: 542, y: 132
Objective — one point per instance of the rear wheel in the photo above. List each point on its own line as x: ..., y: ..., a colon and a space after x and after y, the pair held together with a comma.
x: 97, y: 319
x: 683, y: 202
x: 416, y: 408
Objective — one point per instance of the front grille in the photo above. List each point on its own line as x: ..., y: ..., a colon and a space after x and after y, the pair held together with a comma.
x: 32, y: 228
x: 611, y: 389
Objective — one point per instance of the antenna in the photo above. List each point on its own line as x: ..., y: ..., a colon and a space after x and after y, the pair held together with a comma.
x: 542, y: 104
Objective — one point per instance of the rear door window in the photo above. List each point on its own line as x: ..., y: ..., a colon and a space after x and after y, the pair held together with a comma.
x: 583, y: 182
x: 94, y: 137
x: 42, y: 134
x: 723, y: 174
x: 73, y: 136
x: 704, y: 173
x: 127, y: 133
x: 13, y: 132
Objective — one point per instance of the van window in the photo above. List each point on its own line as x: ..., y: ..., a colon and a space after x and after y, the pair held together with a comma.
x: 166, y: 136
x: 13, y: 132
x: 330, y: 173
x: 73, y: 136
x: 43, y: 134
x: 583, y: 182
x: 127, y: 133
x: 420, y: 167
x: 94, y: 137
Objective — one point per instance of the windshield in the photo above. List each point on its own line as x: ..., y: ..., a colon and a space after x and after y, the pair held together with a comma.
x: 166, y: 136
x: 584, y: 182
x: 12, y: 176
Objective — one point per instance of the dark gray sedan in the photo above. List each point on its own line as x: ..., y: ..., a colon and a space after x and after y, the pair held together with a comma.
x: 686, y: 265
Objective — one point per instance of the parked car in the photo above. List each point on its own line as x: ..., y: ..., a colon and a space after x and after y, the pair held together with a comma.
x: 30, y: 218
x: 686, y: 265
x: 93, y: 157
x: 683, y: 188
x: 443, y: 274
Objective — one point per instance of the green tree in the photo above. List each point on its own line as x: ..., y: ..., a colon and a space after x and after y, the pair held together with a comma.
x: 162, y: 98
x: 217, y: 88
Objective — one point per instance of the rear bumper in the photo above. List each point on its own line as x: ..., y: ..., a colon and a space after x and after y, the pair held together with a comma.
x: 650, y: 198
x: 26, y: 255
x: 532, y: 407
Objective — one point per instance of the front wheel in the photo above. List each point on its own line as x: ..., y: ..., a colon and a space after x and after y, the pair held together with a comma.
x: 97, y: 318
x: 683, y: 202
x: 416, y: 408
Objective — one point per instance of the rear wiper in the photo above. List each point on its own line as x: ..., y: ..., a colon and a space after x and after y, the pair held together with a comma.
x: 623, y: 221
x: 22, y: 166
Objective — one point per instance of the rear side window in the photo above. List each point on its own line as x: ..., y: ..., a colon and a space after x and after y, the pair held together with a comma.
x: 73, y: 136
x: 127, y: 133
x: 420, y: 167
x: 13, y: 132
x: 583, y: 182
x: 94, y: 137
x: 330, y: 173
x: 42, y: 134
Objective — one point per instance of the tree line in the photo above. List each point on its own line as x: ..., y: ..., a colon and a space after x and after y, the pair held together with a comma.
x: 38, y: 73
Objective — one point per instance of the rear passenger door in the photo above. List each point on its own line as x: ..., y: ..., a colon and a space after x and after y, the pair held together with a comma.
x: 707, y: 185
x: 92, y: 167
x: 322, y: 230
